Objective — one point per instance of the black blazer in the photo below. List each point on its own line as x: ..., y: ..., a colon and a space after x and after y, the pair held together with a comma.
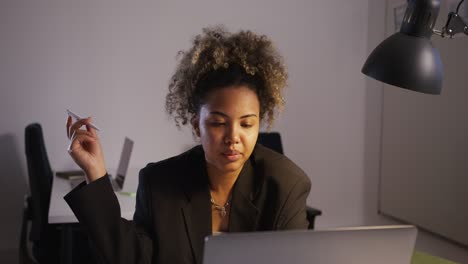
x: 173, y: 210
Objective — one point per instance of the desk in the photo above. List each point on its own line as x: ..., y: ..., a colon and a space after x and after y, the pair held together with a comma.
x: 61, y: 214
x: 420, y: 257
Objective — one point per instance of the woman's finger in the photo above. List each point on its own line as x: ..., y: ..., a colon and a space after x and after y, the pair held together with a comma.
x: 69, y: 122
x: 81, y: 132
x: 76, y: 126
x: 89, y: 128
x: 79, y: 139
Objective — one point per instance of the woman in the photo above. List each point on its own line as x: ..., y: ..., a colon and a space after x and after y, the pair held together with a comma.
x: 224, y: 86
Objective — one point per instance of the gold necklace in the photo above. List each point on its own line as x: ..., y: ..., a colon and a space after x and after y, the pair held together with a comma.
x: 220, y: 208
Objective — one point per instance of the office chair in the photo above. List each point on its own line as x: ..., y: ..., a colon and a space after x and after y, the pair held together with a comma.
x: 44, y: 237
x: 273, y: 141
x: 25, y: 256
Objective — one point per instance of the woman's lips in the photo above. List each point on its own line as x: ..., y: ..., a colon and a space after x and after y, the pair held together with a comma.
x: 232, y: 155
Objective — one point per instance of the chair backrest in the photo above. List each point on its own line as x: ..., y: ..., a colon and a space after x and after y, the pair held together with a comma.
x: 40, y: 179
x: 271, y: 140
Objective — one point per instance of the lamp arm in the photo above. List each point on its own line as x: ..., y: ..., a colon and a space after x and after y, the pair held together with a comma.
x: 454, y: 25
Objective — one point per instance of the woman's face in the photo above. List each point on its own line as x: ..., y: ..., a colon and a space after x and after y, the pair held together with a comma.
x: 228, y: 125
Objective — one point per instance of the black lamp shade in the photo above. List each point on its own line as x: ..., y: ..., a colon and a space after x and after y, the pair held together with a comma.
x: 408, y: 62
x: 407, y: 59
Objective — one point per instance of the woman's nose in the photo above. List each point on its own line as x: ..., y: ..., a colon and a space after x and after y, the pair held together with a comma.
x: 232, y: 135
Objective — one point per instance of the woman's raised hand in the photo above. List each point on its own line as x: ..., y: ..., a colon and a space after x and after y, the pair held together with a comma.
x: 85, y: 148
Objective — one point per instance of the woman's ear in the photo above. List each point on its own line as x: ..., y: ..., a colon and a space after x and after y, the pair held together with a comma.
x: 196, y: 125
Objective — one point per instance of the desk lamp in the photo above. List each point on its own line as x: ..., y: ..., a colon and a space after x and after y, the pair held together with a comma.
x: 408, y: 59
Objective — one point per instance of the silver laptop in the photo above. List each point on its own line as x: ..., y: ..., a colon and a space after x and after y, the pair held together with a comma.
x: 362, y: 245
x: 122, y: 169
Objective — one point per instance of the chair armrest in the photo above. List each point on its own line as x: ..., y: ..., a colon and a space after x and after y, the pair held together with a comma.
x: 311, y: 214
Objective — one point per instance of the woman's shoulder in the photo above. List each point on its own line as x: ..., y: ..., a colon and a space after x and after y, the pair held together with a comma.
x: 175, y: 161
x: 172, y: 168
x: 277, y: 167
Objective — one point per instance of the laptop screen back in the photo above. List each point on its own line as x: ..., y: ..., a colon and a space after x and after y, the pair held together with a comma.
x: 124, y: 162
x: 368, y: 245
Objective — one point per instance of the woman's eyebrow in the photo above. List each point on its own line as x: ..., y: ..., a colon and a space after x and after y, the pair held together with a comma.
x: 218, y: 113
x: 224, y: 115
x: 249, y: 115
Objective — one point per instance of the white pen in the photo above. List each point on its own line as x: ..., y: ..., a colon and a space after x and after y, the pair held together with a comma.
x: 77, y: 117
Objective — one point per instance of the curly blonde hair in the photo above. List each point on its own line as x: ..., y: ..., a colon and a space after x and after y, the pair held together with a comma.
x: 220, y: 59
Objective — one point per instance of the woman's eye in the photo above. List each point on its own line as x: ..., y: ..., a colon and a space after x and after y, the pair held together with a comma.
x: 247, y: 125
x: 216, y: 124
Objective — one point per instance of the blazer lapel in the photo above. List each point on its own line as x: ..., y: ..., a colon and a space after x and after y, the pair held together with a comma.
x: 197, y: 216
x: 197, y: 210
x: 243, y: 216
x: 244, y: 213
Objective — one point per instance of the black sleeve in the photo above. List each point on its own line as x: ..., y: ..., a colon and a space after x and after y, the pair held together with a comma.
x: 293, y: 214
x: 116, y: 240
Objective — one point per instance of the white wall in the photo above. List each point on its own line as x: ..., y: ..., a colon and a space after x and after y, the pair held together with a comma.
x: 113, y: 60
